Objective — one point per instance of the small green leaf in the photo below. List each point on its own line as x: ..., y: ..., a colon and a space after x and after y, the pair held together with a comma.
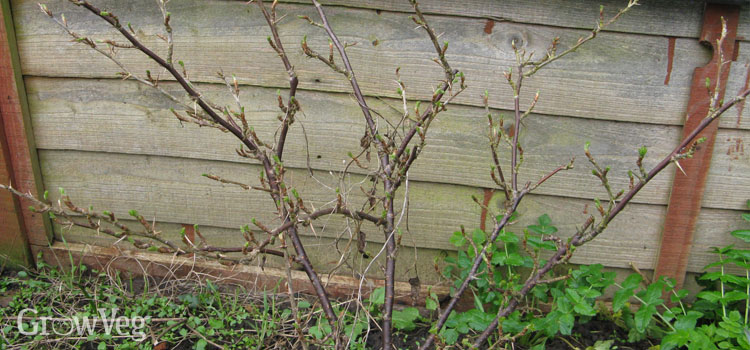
x: 545, y: 220
x: 449, y: 335
x: 404, y: 319
x: 742, y: 234
x: 458, y: 239
x: 478, y: 236
x: 508, y: 237
x: 566, y: 322
x: 643, y: 317
x: 687, y: 322
x: 200, y: 344
x: 430, y: 303
x: 378, y: 296
x: 642, y: 151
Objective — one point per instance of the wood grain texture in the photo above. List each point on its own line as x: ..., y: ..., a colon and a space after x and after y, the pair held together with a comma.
x: 157, y: 266
x: 124, y: 117
x: 14, y: 118
x: 664, y: 17
x: 616, y: 77
x: 719, y: 21
x: 324, y: 252
x: 14, y: 246
x: 172, y: 191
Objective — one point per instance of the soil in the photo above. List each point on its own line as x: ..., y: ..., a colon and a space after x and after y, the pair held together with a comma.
x: 585, y: 335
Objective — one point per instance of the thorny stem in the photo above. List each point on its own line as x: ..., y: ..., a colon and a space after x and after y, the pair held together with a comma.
x: 232, y: 127
x: 390, y: 159
x: 472, y: 273
x: 581, y: 237
x: 291, y: 107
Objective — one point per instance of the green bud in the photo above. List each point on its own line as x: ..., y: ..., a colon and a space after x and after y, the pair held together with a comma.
x: 133, y: 213
x: 104, y: 13
x: 586, y: 146
x: 46, y: 195
x: 642, y: 151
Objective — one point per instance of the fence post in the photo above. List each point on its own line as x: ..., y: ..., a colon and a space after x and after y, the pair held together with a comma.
x: 687, y: 189
x: 19, y: 226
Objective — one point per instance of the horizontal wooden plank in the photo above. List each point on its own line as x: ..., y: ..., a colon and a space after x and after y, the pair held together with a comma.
x: 617, y: 77
x: 664, y: 17
x: 254, y: 278
x: 124, y: 117
x: 324, y: 252
x: 172, y: 191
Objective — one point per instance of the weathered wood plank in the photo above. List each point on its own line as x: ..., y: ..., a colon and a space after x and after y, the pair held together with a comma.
x: 172, y: 190
x: 665, y: 17
x: 323, y: 252
x: 123, y: 117
x: 20, y: 152
x: 252, y: 277
x: 617, y: 77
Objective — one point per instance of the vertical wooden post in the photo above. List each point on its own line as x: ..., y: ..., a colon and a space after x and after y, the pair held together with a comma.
x: 687, y: 189
x: 18, y: 225
x: 14, y: 247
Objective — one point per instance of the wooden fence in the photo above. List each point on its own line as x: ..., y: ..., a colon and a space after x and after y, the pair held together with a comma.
x: 115, y: 145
